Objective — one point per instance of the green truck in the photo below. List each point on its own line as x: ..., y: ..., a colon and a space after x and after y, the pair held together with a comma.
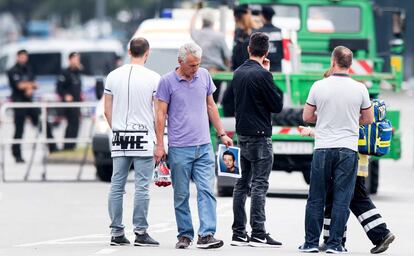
x: 320, y: 25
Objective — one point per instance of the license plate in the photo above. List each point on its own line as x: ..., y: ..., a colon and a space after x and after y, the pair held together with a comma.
x: 292, y: 148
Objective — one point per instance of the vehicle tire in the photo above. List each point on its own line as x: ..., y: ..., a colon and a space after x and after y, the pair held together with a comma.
x: 288, y: 117
x: 104, y: 172
x: 373, y: 177
x: 224, y: 191
x: 306, y: 174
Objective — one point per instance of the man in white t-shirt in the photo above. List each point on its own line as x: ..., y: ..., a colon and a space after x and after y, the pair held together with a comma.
x: 129, y: 109
x: 338, y: 105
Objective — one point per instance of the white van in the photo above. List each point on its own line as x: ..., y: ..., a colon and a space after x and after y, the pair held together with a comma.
x: 48, y: 57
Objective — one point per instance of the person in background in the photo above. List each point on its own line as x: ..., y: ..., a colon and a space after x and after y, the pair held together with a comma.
x: 256, y: 97
x: 216, y: 55
x: 69, y: 88
x: 275, y: 38
x: 22, y: 83
x: 244, y: 27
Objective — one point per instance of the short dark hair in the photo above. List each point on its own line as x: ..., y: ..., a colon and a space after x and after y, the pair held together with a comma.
x: 229, y: 153
x: 342, y: 56
x: 259, y: 44
x: 22, y: 51
x: 268, y: 12
x: 240, y: 10
x: 138, y: 47
x: 73, y: 54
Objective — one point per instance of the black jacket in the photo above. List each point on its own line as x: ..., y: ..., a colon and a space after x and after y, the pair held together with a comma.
x: 256, y: 97
x: 69, y: 82
x: 275, y: 46
x: 19, y: 73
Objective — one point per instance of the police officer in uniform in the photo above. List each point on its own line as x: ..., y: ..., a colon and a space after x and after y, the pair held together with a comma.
x: 275, y: 39
x: 69, y: 88
x: 21, y: 81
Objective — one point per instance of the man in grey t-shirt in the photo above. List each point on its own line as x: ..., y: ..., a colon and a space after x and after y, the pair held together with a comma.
x: 338, y: 105
x: 216, y: 54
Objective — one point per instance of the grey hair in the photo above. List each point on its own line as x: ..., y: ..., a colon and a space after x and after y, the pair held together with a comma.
x: 189, y: 48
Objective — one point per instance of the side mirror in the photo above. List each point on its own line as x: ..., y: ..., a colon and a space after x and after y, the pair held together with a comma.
x: 99, y: 88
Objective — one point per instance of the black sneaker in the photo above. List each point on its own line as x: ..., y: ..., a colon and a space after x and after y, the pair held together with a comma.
x: 119, y: 240
x: 145, y: 240
x: 337, y: 250
x: 264, y: 241
x: 383, y: 245
x: 323, y: 247
x: 309, y: 249
x: 237, y: 240
x: 183, y: 242
x: 20, y: 160
x: 208, y: 242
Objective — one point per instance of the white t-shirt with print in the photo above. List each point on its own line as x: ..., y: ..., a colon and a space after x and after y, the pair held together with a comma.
x: 132, y: 88
x: 339, y: 101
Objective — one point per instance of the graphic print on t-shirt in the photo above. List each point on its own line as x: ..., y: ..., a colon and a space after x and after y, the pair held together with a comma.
x: 130, y: 141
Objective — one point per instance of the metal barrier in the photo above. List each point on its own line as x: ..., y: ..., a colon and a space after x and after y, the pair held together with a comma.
x: 42, y: 139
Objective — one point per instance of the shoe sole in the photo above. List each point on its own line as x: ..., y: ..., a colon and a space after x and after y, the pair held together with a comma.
x: 118, y: 244
x: 146, y: 245
x: 311, y: 250
x: 385, y: 245
x: 181, y: 247
x: 330, y: 251
x: 211, y: 246
x: 255, y: 244
x: 237, y: 243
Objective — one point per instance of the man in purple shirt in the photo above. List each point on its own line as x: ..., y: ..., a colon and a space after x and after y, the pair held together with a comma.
x: 185, y: 97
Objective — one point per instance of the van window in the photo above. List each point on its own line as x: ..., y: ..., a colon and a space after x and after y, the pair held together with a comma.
x: 45, y: 63
x: 98, y: 63
x: 3, y: 64
x: 334, y: 19
x: 168, y: 59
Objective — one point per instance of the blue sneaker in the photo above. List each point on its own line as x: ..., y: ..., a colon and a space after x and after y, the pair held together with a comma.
x: 337, y: 250
x: 308, y: 248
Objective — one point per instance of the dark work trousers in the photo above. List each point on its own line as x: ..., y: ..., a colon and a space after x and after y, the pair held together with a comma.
x: 256, y: 159
x: 72, y: 116
x: 364, y: 209
x: 216, y: 93
x: 19, y: 120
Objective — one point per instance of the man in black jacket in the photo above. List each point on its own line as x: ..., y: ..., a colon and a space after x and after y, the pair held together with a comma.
x: 256, y: 97
x: 69, y: 88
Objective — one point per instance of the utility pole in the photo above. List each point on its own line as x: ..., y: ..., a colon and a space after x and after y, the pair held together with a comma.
x: 100, y: 13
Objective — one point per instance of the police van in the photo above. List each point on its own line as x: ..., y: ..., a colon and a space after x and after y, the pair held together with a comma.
x: 48, y: 57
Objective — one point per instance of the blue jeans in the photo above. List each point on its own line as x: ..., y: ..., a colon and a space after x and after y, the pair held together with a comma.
x: 197, y: 164
x: 144, y: 167
x: 338, y: 167
x: 256, y: 159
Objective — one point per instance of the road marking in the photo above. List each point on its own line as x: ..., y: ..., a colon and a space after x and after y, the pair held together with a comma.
x: 66, y: 240
x: 106, y: 251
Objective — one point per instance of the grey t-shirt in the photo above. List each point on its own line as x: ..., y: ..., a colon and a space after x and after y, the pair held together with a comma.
x: 338, y: 101
x: 215, y: 50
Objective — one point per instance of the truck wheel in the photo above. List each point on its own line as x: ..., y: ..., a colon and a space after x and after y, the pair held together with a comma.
x: 104, y: 172
x: 373, y: 177
x: 224, y: 191
x: 306, y: 174
x: 288, y: 117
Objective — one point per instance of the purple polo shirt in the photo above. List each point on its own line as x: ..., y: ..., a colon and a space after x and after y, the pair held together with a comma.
x: 187, y: 107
